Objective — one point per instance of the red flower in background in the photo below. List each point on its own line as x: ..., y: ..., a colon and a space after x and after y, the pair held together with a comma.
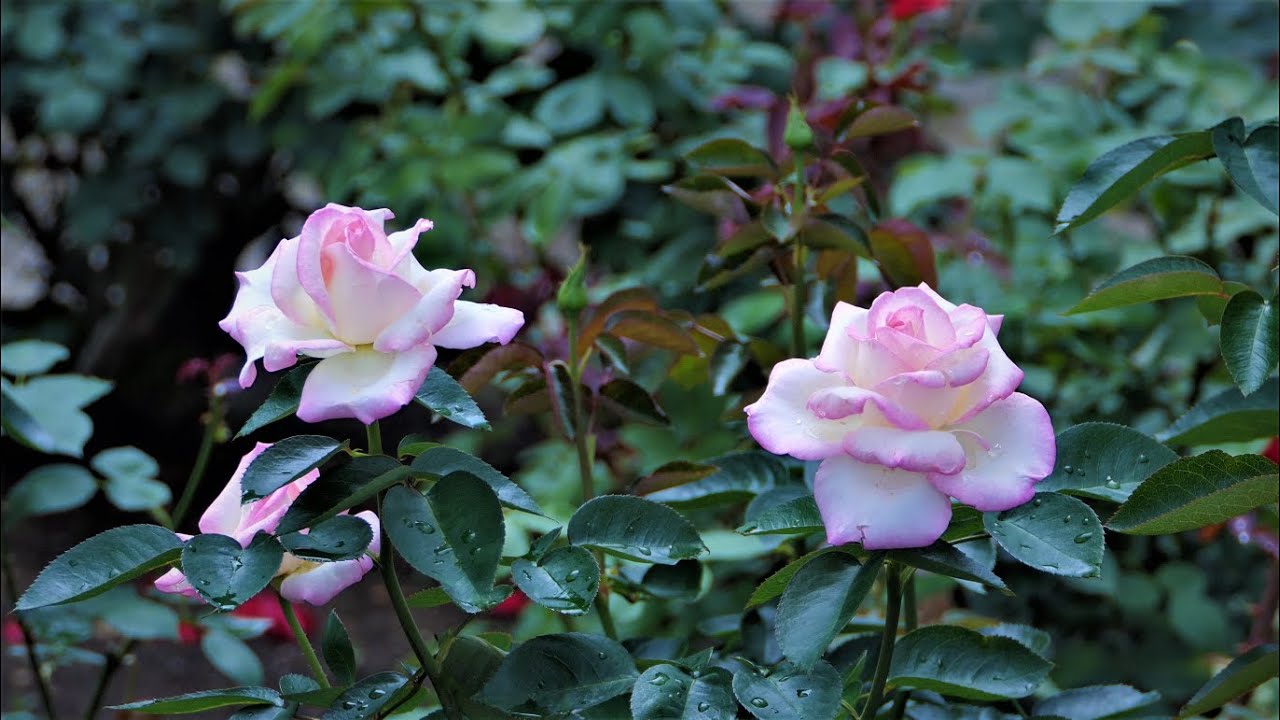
x: 189, y: 633
x: 1272, y: 451
x: 13, y: 632
x: 264, y: 606
x: 511, y: 607
x: 907, y: 9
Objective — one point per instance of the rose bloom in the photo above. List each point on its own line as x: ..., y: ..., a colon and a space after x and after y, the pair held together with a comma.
x: 348, y: 293
x: 909, y: 403
x: 907, y: 9
x: 304, y: 581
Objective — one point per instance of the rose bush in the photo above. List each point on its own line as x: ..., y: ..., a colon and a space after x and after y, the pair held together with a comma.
x: 909, y: 403
x: 350, y: 294
x: 304, y: 581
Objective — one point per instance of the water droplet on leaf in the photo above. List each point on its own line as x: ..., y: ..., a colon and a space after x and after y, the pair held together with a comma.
x: 760, y: 702
x: 1083, y: 538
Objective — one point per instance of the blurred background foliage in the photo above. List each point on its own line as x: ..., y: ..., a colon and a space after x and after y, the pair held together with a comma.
x: 150, y: 147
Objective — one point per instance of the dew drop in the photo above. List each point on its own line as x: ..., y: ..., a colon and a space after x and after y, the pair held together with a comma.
x: 573, y: 575
x: 475, y: 550
x: 1143, y: 458
x: 760, y: 702
x: 1066, y: 519
x: 442, y: 549
x: 601, y: 655
x: 704, y: 706
x: 526, y: 574
x: 1083, y: 538
x: 204, y: 582
x: 645, y: 551
x: 659, y: 679
x: 747, y: 529
x: 804, y: 693
x: 468, y: 536
x: 1068, y: 470
x: 1038, y: 502
x: 348, y: 704
x: 376, y: 693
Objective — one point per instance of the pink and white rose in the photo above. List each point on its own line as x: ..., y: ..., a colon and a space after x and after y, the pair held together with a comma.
x: 350, y: 294
x: 909, y: 403
x: 304, y: 581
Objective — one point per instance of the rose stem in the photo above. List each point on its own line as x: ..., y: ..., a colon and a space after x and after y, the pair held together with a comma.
x: 800, y: 287
x: 303, y: 643
x: 113, y: 663
x: 909, y: 622
x: 212, y: 421
x: 387, y: 563
x: 894, y: 582
x: 582, y: 439
x: 27, y: 639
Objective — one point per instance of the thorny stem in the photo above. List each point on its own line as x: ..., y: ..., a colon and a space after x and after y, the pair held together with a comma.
x: 28, y: 640
x: 304, y: 644
x: 893, y: 579
x: 109, y: 668
x: 799, y: 287
x: 582, y: 441
x: 909, y: 621
x: 213, y: 420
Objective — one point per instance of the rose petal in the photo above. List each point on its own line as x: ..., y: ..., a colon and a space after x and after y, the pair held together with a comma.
x: 899, y: 310
x: 224, y: 513
x: 321, y: 582
x: 478, y: 323
x: 1016, y: 451
x: 881, y: 508
x: 365, y: 384
x: 255, y: 322
x: 847, y: 322
x: 287, y: 293
x: 402, y: 243
x: 1000, y: 378
x: 842, y: 402
x: 436, y: 307
x: 175, y: 582
x: 365, y: 299
x: 913, y: 450
x: 961, y: 366
x: 781, y: 420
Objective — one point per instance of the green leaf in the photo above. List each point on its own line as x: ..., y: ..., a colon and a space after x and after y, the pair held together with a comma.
x: 441, y: 394
x: 1253, y: 162
x: 365, y: 698
x: 632, y: 402
x: 564, y: 580
x: 558, y: 383
x: 1250, y: 339
x: 31, y: 357
x: 342, y: 488
x: 710, y: 194
x: 50, y: 489
x: 880, y: 120
x: 962, y: 663
x: 572, y: 105
x: 904, y: 253
x: 100, y: 563
x: 1239, y: 677
x: 20, y: 424
x: 1037, y: 641
x: 560, y: 673
x: 1104, y: 461
x: 789, y: 691
x: 664, y: 692
x: 1212, y: 306
x: 53, y: 404
x: 344, y: 537
x: 130, y: 479
x: 335, y: 645
x: 232, y: 657
x: 731, y: 157
x: 281, y: 403
x: 1229, y: 417
x: 1159, y: 278
x: 819, y: 601
x: 635, y: 529
x: 739, y: 476
x: 944, y: 559
x: 227, y: 575
x: 469, y: 664
x: 441, y: 461
x: 794, y: 517
x: 1197, y: 491
x: 205, y: 700
x: 681, y: 581
x: 1053, y: 533
x: 1096, y: 702
x: 454, y: 534
x: 773, y: 586
x: 652, y: 329
x: 1122, y: 172
x: 284, y: 462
